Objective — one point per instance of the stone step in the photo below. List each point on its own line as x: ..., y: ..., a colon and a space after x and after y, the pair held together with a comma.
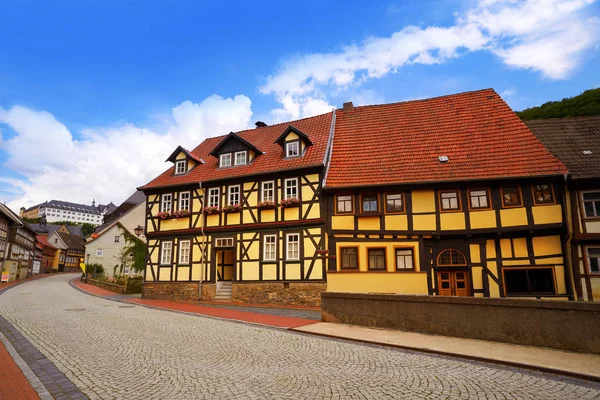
x: 221, y: 297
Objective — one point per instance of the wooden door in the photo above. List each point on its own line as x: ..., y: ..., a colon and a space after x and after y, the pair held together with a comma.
x: 453, y: 283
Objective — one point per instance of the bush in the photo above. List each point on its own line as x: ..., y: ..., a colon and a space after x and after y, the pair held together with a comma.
x: 90, y: 269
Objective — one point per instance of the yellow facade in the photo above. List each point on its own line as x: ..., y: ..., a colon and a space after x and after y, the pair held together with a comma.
x: 495, y: 252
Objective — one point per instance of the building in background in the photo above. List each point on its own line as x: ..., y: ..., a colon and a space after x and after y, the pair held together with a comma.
x: 106, y: 246
x: 71, y: 250
x: 114, y: 213
x: 19, y: 247
x: 57, y: 210
x: 576, y: 142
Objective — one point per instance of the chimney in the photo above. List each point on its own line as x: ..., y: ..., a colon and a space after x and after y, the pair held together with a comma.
x: 260, y: 124
x: 348, y: 106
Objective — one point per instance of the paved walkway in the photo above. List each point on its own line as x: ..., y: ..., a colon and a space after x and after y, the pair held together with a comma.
x: 13, y: 383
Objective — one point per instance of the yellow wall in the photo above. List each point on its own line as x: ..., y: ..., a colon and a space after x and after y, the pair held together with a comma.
x: 513, y: 216
x: 406, y: 283
x: 547, y: 214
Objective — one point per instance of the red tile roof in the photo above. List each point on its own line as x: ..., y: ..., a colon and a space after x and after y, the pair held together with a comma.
x: 316, y: 128
x: 400, y: 143
x: 44, y: 241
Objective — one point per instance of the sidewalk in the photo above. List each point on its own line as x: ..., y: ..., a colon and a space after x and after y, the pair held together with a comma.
x: 14, y: 384
x: 276, y: 321
x: 585, y: 366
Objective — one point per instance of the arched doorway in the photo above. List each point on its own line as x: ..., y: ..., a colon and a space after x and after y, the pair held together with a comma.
x: 452, y: 273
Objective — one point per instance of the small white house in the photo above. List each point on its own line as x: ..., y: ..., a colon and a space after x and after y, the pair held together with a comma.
x: 105, y: 247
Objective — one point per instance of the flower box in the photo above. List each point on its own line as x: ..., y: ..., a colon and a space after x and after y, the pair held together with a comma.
x: 211, y: 210
x: 172, y: 215
x: 231, y: 208
x: 291, y: 202
x: 266, y: 205
x: 180, y: 214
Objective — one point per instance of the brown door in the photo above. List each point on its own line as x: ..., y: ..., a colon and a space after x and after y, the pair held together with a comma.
x: 453, y: 283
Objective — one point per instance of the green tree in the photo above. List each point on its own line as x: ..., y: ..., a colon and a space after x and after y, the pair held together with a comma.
x: 134, y: 252
x: 585, y: 104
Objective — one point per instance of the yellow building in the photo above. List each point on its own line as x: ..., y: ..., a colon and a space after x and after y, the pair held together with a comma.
x: 576, y: 142
x: 240, y: 217
x: 448, y: 196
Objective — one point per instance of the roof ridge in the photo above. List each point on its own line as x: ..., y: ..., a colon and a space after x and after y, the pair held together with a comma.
x: 425, y: 100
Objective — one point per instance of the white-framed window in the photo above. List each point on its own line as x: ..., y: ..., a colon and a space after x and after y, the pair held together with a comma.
x: 241, y: 157
x: 268, y: 191
x: 270, y: 248
x: 117, y: 239
x: 233, y: 195
x: 292, y: 241
x: 213, y: 197
x: 165, y: 255
x: 184, y: 252
x: 99, y: 252
x: 184, y: 201
x: 166, y: 202
x: 225, y: 160
x: 224, y: 242
x: 291, y: 188
x: 180, y: 167
x: 404, y: 259
x: 292, y: 149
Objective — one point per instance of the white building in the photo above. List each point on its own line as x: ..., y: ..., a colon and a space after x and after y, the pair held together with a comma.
x: 56, y: 210
x: 105, y: 247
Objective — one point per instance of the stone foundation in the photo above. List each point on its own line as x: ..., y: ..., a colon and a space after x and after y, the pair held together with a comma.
x: 292, y: 293
x: 178, y: 291
x: 209, y: 291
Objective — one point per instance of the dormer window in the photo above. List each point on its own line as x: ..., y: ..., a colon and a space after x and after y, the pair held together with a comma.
x: 292, y: 149
x: 241, y: 157
x: 180, y: 167
x: 225, y: 160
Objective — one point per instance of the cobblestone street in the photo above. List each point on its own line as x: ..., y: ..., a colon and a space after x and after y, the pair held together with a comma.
x: 112, y: 350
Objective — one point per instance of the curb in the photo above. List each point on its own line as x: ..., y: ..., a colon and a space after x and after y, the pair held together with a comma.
x: 529, y: 367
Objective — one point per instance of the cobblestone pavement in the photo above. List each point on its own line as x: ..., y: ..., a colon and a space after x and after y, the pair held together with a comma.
x: 112, y: 350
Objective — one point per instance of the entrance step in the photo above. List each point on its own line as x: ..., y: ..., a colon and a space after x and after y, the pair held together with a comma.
x: 223, y: 290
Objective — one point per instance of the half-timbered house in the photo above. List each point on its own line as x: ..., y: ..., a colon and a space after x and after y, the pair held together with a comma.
x: 576, y: 142
x: 446, y: 196
x: 239, y: 217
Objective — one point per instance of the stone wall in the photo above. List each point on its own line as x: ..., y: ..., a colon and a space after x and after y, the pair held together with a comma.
x: 113, y: 287
x: 571, y: 326
x: 209, y: 291
x: 292, y: 293
x: 178, y: 291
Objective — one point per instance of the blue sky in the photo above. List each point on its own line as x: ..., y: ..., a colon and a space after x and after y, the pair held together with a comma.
x: 76, y: 76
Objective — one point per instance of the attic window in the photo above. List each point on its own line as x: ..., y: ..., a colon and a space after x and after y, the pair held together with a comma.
x: 180, y: 167
x: 225, y: 160
x: 443, y: 159
x: 292, y: 149
x: 241, y: 157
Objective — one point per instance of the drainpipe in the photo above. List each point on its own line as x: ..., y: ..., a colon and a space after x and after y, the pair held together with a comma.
x: 567, y: 249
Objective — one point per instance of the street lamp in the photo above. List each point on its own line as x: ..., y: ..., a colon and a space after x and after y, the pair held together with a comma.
x: 139, y: 231
x: 86, y: 267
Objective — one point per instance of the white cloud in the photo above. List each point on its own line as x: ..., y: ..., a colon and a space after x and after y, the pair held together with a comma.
x: 105, y: 163
x: 548, y: 36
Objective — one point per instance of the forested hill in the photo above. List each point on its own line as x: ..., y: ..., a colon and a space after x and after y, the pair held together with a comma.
x: 587, y: 103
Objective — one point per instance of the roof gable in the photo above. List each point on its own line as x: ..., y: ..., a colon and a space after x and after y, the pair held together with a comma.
x: 401, y: 143
x: 173, y: 157
x: 280, y: 140
x: 233, y: 142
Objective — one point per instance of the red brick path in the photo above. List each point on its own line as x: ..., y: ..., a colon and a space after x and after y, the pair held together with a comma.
x: 257, y: 318
x: 13, y: 384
